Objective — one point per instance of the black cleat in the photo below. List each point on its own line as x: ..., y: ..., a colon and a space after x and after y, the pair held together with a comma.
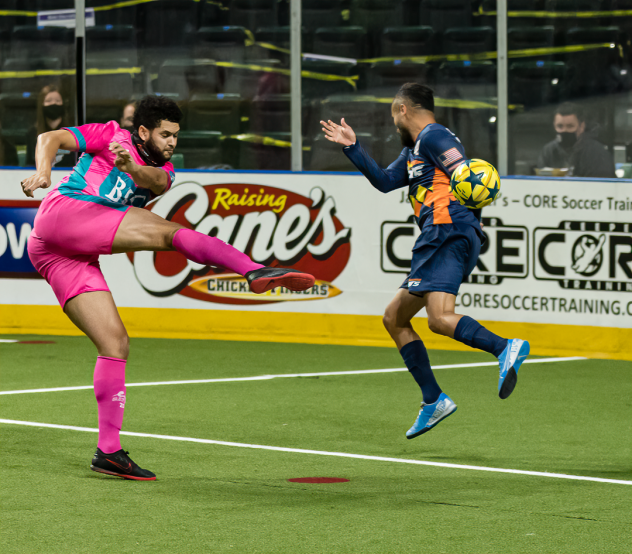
x: 120, y: 464
x: 268, y: 278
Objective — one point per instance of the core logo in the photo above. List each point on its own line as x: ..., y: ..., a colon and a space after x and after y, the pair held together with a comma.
x: 587, y: 255
x: 275, y: 227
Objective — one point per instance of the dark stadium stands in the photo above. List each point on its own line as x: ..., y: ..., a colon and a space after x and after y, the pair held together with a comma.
x: 227, y: 43
x: 345, y: 42
x: 216, y: 112
x: 111, y: 46
x: 184, y: 77
x: 321, y: 13
x: 399, y: 42
x: 227, y: 63
x: 253, y: 13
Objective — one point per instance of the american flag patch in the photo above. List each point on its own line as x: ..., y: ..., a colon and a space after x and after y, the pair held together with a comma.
x: 450, y: 158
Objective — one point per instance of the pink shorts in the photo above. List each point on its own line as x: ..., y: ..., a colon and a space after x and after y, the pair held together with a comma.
x: 67, y: 239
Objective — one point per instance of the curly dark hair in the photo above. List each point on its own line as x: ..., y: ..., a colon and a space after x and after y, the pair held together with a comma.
x: 420, y: 96
x: 151, y: 110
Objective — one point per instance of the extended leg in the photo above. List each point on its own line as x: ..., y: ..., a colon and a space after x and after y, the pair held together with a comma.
x: 510, y: 353
x: 96, y: 315
x: 143, y: 230
x: 397, y: 320
x: 444, y: 321
x: 436, y: 405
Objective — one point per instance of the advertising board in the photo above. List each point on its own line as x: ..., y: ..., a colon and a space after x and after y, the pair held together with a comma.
x: 557, y: 252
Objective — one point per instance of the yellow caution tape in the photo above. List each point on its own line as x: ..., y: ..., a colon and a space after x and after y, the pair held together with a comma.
x: 57, y: 72
x: 18, y: 12
x: 250, y: 38
x: 544, y: 14
x: 270, y: 46
x: 527, y: 52
x: 259, y: 139
x: 135, y: 70
x: 308, y: 74
x: 440, y: 102
x: 121, y: 5
x: 114, y: 6
x: 213, y: 3
x: 549, y: 51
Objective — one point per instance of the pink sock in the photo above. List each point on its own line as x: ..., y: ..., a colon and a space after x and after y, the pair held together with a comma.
x: 109, y: 388
x: 206, y: 250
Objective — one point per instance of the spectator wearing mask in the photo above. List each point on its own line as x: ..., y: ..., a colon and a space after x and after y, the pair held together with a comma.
x: 574, y: 147
x: 127, y: 118
x: 51, y: 116
x: 8, y: 152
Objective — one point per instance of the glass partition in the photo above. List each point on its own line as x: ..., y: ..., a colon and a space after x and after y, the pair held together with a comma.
x: 373, y: 47
x: 569, y: 83
x: 227, y: 63
x: 37, y: 78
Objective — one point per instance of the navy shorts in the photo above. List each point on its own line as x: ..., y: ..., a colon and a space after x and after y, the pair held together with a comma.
x: 443, y: 257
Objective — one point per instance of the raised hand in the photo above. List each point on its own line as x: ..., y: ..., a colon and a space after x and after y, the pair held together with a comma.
x: 40, y: 180
x: 340, y: 134
x: 123, y: 161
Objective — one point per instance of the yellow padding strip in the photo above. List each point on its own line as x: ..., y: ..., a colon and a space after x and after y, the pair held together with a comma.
x: 546, y: 340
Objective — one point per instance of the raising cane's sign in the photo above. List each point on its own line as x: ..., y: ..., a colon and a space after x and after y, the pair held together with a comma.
x: 275, y: 227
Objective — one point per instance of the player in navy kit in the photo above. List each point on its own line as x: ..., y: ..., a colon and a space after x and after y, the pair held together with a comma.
x: 443, y: 256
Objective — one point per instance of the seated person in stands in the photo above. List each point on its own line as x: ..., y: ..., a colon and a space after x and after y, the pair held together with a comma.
x: 8, y: 152
x: 575, y: 147
x: 127, y: 118
x: 51, y: 116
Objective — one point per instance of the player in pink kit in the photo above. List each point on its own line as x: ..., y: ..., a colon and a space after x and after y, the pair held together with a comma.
x: 97, y: 210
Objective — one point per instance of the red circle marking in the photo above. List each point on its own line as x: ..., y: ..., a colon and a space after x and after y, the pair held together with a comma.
x: 318, y: 480
x: 36, y: 342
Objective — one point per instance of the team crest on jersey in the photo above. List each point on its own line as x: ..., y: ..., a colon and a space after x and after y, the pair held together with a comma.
x: 415, y: 168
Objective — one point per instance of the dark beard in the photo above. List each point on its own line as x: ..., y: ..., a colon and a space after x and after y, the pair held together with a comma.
x: 155, y: 152
x: 406, y: 137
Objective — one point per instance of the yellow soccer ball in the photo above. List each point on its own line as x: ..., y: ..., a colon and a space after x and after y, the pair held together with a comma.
x: 475, y: 183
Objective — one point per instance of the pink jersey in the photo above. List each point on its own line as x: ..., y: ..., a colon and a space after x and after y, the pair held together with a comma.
x: 95, y: 178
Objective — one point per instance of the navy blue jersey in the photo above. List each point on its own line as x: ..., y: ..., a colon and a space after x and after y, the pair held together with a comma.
x: 425, y: 170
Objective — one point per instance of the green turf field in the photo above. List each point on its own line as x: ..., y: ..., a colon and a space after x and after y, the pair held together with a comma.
x: 568, y: 417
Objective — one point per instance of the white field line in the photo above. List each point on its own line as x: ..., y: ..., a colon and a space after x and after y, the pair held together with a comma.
x: 324, y: 453
x: 9, y: 340
x: 282, y: 375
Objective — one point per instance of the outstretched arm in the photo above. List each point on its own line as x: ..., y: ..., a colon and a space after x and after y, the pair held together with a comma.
x: 46, y: 150
x: 385, y: 180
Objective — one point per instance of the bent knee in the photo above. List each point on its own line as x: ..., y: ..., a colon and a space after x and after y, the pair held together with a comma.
x: 116, y: 346
x: 436, y: 325
x: 389, y: 320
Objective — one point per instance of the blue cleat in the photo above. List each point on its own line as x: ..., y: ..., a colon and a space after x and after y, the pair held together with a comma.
x: 510, y: 361
x: 430, y: 415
